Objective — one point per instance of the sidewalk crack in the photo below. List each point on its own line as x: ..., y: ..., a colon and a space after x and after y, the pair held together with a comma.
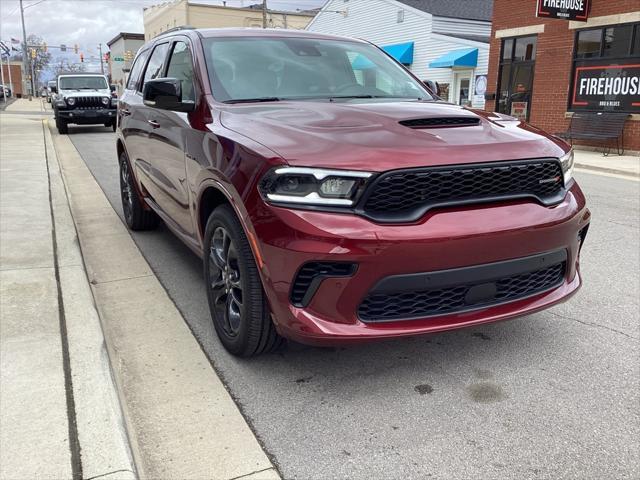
x: 109, y: 473
x: 252, y: 473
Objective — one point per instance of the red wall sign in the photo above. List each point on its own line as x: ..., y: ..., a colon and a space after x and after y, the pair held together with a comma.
x: 563, y: 9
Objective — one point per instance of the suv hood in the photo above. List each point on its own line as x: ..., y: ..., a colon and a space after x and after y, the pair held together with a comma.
x: 368, y: 136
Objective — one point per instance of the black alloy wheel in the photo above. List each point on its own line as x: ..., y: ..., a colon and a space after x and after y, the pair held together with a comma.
x: 225, y: 281
x: 237, y: 301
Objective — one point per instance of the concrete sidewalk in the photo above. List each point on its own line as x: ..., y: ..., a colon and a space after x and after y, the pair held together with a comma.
x: 627, y: 165
x: 59, y: 412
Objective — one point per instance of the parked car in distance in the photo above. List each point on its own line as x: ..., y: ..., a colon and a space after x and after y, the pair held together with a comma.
x: 83, y: 99
x: 332, y: 199
x: 51, y: 86
x: 5, y: 91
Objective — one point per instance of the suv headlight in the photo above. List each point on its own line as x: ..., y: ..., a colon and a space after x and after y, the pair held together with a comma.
x: 106, y: 100
x: 566, y: 162
x: 313, y: 186
x: 71, y: 101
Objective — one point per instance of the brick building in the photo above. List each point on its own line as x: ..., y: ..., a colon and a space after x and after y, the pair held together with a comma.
x: 543, y: 66
x: 16, y: 76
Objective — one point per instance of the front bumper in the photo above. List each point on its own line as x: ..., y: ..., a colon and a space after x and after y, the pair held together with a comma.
x: 443, y: 239
x: 88, y: 116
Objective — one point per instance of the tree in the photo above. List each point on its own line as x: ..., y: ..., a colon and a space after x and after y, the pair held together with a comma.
x: 42, y: 58
x: 64, y: 65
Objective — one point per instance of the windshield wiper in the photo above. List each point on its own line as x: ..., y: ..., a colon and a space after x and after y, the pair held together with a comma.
x: 252, y: 100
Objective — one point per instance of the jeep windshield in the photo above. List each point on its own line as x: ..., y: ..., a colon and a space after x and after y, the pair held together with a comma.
x: 252, y: 69
x: 83, y: 83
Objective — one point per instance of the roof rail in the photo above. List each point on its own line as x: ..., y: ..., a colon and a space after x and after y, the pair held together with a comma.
x: 175, y: 29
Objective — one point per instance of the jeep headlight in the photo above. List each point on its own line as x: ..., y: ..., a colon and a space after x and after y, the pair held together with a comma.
x: 566, y: 162
x: 313, y: 186
x: 71, y: 101
x: 106, y: 101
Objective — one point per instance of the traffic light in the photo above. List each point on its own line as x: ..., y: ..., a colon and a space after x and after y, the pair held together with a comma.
x: 75, y: 49
x: 81, y: 58
x: 33, y: 53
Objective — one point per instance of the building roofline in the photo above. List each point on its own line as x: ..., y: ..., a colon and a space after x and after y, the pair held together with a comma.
x: 247, y: 9
x: 126, y: 36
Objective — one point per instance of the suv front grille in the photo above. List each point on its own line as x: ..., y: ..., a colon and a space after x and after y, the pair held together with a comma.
x: 88, y: 103
x: 405, y: 305
x: 406, y: 195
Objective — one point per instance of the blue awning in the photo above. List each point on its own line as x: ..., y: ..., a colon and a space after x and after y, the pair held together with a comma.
x: 402, y: 52
x: 465, y: 57
x: 362, y: 63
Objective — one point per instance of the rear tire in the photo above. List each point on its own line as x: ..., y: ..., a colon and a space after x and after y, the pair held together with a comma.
x: 136, y: 216
x: 237, y: 302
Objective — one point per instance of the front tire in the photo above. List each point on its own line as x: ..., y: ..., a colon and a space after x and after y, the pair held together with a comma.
x: 136, y: 215
x: 237, y: 301
x: 61, y: 125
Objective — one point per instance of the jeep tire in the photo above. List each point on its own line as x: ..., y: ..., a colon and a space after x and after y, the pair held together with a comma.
x: 62, y: 126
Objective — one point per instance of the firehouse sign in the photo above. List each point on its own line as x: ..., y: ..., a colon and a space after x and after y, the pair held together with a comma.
x: 607, y: 88
x: 564, y: 9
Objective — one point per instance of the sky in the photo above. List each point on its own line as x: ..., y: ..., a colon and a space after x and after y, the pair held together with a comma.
x: 91, y: 22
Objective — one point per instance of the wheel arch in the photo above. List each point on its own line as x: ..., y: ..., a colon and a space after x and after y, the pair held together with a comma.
x: 213, y: 195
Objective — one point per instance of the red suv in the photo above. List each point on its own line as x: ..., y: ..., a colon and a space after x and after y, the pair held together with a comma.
x: 333, y: 199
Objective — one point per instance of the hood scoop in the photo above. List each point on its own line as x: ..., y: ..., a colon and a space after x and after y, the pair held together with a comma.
x: 441, y: 122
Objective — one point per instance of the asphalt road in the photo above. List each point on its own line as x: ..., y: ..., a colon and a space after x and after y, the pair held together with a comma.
x: 551, y: 395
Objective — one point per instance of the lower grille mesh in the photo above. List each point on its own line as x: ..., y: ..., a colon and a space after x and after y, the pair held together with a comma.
x: 378, y: 307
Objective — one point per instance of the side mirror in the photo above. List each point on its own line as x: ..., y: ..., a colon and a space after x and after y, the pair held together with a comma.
x: 112, y: 87
x: 54, y: 89
x: 166, y: 94
x: 432, y: 87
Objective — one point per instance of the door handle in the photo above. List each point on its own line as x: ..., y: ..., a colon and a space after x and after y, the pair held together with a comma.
x: 153, y: 123
x: 124, y: 112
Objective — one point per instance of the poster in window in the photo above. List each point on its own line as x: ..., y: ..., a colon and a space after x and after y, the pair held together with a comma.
x: 519, y: 110
x: 608, y: 88
x: 564, y: 9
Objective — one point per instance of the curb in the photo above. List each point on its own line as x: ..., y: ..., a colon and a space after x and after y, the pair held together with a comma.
x: 181, y: 420
x: 613, y: 171
x: 99, y: 440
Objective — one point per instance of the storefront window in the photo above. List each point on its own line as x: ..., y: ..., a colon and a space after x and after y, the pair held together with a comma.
x: 606, y: 71
x: 588, y: 44
x: 516, y: 76
x: 617, y: 41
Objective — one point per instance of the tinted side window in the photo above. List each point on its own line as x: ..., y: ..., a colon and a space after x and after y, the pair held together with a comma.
x: 156, y: 63
x: 181, y: 68
x: 136, y: 70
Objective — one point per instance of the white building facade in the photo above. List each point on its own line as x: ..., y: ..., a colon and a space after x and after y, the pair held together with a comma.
x: 445, y: 41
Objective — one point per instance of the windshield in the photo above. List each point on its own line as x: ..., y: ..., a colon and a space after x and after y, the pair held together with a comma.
x: 82, y: 83
x: 270, y: 69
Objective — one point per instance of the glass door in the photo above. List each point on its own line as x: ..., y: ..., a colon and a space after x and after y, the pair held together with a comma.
x: 462, y: 87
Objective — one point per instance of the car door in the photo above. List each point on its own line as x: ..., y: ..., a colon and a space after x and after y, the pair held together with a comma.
x: 145, y: 149
x: 167, y: 141
x: 132, y: 125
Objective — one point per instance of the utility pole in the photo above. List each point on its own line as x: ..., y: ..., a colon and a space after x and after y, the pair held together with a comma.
x: 4, y: 92
x: 264, y: 13
x: 25, y: 56
x: 101, y: 59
